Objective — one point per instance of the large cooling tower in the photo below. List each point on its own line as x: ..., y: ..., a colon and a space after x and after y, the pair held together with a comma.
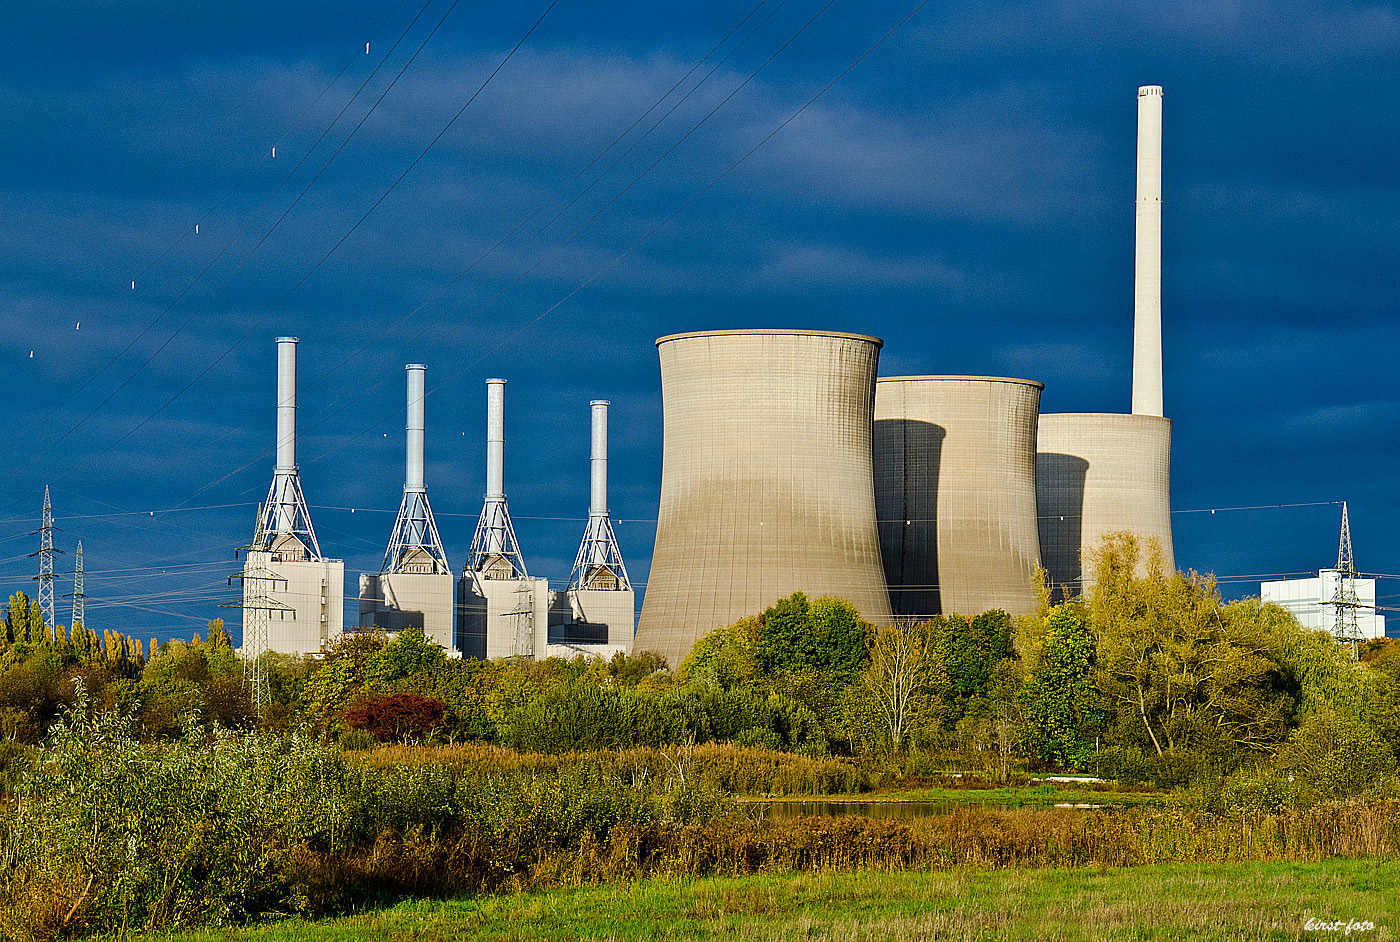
x: 955, y: 471
x: 1099, y: 473
x: 766, y: 480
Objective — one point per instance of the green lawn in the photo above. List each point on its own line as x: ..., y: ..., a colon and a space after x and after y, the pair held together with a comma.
x: 1182, y: 901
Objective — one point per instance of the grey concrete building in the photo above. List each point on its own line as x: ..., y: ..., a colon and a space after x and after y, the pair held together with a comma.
x: 767, y: 484
x: 955, y: 466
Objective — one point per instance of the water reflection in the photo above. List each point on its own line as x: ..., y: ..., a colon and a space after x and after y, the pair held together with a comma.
x: 783, y: 810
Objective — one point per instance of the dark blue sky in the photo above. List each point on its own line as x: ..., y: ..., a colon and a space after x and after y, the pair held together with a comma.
x: 965, y: 193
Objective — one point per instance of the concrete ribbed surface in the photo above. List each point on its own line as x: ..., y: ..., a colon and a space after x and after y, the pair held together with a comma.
x: 1098, y: 473
x: 766, y: 482
x: 955, y: 492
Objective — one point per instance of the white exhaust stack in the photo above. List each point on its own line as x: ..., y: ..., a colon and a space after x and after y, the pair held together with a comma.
x: 598, y: 460
x: 495, y: 451
x: 414, y: 545
x: 1147, y: 274
x: 284, y: 513
x: 413, y: 465
x: 286, y: 428
x: 495, y: 552
x: 598, y: 564
x: 286, y: 404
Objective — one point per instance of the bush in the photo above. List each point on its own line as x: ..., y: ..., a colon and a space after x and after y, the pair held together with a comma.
x: 395, y: 717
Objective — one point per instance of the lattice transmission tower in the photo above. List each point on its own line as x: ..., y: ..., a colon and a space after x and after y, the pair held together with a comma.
x: 79, y: 597
x: 45, y: 554
x: 259, y: 584
x: 1344, y: 601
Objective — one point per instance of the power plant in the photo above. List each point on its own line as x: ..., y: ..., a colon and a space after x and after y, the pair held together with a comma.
x: 414, y: 585
x: 599, y: 606
x: 501, y: 611
x: 284, y: 574
x: 786, y: 466
x: 766, y: 480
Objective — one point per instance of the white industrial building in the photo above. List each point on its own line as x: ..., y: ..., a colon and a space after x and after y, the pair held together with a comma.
x: 413, y: 587
x: 1311, y: 601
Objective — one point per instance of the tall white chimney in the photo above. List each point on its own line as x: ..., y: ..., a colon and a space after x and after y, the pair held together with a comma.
x: 495, y: 439
x: 286, y: 404
x: 1147, y: 273
x: 413, y: 465
x: 598, y: 460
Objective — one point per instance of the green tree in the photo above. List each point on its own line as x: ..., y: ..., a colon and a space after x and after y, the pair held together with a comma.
x: 1059, y: 704
x: 787, y: 640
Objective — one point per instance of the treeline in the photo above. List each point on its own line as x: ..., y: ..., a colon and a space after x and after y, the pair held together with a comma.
x: 1149, y: 678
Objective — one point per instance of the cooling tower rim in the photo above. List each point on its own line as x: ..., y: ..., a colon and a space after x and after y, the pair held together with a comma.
x: 1102, y: 416
x: 770, y: 331
x: 1010, y: 380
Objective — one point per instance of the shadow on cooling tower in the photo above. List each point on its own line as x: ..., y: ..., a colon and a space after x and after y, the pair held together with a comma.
x: 908, y: 454
x: 1060, y: 495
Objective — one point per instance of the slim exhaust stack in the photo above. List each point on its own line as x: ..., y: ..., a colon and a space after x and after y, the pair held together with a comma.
x: 284, y: 516
x: 286, y: 405
x: 599, y: 562
x: 413, y: 462
x: 1147, y: 274
x: 495, y: 552
x: 598, y: 460
x: 415, y: 545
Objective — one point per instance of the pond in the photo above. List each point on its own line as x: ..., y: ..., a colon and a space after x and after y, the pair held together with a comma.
x: 901, y: 810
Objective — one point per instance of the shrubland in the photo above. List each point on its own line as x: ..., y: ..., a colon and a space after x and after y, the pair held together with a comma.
x: 141, y: 790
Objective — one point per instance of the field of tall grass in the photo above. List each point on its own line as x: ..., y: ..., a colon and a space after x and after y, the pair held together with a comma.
x: 111, y: 835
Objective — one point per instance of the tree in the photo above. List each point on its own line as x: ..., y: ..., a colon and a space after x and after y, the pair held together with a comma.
x: 787, y: 641
x: 395, y: 717
x: 1059, y: 702
x: 840, y: 635
x: 1186, y: 673
x: 898, y: 657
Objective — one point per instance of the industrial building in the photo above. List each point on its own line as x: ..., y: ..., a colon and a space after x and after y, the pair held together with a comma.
x: 501, y: 611
x: 1099, y: 473
x: 413, y: 587
x: 955, y: 466
x: 293, y: 596
x: 767, y: 484
x: 1313, y: 602
x: 596, y: 614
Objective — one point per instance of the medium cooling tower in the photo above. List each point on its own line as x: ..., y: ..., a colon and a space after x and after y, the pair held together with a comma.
x: 1100, y: 473
x: 766, y: 480
x: 955, y: 470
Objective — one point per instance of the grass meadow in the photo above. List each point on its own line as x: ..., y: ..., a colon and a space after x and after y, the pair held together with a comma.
x: 1234, y: 901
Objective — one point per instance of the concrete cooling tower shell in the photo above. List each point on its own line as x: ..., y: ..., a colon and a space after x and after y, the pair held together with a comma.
x: 1097, y: 473
x: 955, y: 492
x: 766, y: 480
